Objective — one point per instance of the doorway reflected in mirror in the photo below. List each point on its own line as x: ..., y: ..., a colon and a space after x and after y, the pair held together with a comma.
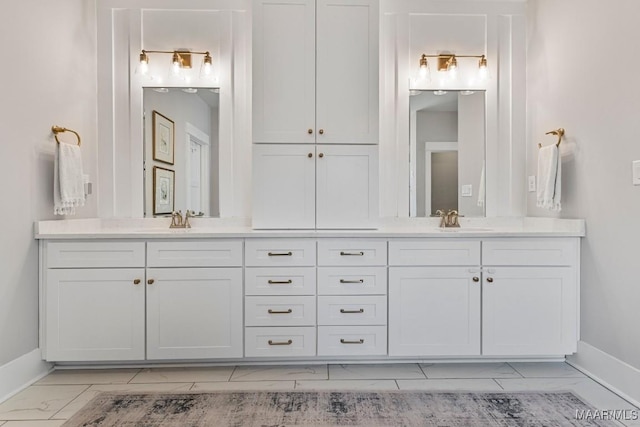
x: 447, y: 152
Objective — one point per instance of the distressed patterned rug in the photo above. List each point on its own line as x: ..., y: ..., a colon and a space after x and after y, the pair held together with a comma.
x: 326, y: 408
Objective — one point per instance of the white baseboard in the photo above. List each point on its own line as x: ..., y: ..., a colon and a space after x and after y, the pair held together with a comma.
x: 20, y: 373
x: 618, y: 376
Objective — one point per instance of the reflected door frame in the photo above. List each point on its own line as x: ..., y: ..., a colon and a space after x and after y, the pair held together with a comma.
x: 193, y: 134
x: 429, y: 148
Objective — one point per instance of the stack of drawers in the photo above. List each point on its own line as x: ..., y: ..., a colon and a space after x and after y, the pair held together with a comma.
x: 280, y: 301
x: 352, y: 297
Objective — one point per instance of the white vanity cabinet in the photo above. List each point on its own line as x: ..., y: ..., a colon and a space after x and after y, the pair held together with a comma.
x: 108, y: 301
x: 530, y: 297
x: 521, y: 300
x: 434, y: 297
x: 93, y: 305
x: 321, y: 186
x: 300, y: 92
x: 352, y: 297
x: 194, y: 299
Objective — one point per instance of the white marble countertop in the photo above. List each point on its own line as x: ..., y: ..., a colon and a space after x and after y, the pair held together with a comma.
x: 158, y: 228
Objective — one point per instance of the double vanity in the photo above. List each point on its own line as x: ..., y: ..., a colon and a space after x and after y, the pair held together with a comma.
x: 135, y: 290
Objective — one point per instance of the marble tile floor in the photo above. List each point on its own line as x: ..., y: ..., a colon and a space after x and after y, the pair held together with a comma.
x: 56, y: 397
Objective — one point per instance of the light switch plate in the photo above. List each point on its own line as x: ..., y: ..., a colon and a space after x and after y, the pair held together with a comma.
x: 466, y: 190
x: 532, y: 183
x: 636, y: 172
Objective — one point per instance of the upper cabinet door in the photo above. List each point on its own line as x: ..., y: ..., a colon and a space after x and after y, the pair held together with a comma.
x: 284, y: 178
x: 347, y: 186
x: 347, y: 71
x: 284, y: 71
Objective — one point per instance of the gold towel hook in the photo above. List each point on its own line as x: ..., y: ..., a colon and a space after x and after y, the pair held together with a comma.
x: 559, y: 132
x: 58, y: 129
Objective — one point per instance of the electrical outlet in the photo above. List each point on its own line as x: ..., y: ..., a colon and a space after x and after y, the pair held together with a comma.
x: 466, y: 190
x: 532, y: 183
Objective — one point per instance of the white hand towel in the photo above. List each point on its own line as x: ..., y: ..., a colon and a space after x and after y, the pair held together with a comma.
x: 68, y: 182
x: 549, y: 178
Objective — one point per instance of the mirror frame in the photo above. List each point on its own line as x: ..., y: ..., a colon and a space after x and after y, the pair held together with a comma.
x: 120, y: 130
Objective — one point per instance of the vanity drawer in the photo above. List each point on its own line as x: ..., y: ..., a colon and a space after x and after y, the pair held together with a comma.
x: 544, y: 252
x: 278, y: 342
x: 352, y: 281
x: 279, y: 252
x: 94, y: 254
x: 194, y: 253
x: 352, y: 310
x: 352, y: 340
x: 434, y: 252
x: 350, y: 252
x: 280, y: 311
x: 280, y: 281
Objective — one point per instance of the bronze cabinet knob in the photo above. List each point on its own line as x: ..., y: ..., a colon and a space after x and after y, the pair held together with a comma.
x: 490, y: 279
x: 310, y: 131
x: 476, y: 279
x: 136, y: 282
x: 321, y: 155
x: 310, y: 155
x: 321, y: 131
x: 150, y: 282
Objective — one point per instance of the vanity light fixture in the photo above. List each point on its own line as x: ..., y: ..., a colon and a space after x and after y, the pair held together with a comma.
x: 449, y: 63
x: 180, y: 60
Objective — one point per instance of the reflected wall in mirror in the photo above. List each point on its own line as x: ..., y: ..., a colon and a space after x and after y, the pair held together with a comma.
x: 194, y: 113
x: 447, y: 152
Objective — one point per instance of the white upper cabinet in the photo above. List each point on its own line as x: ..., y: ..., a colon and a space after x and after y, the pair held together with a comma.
x: 308, y: 89
x: 347, y: 71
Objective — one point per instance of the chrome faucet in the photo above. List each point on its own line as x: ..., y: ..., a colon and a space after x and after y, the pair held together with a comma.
x: 448, y: 219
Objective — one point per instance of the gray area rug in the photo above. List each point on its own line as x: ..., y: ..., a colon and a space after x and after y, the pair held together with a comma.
x: 327, y: 408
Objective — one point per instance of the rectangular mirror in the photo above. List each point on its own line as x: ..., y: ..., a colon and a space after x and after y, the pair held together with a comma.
x: 181, y: 165
x: 447, y: 152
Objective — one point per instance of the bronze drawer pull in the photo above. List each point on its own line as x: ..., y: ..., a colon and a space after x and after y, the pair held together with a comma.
x: 280, y: 282
x: 351, y: 281
x: 288, y: 342
x: 289, y: 311
x: 352, y: 253
x: 280, y: 253
x: 342, y: 310
x: 343, y: 341
x: 136, y: 281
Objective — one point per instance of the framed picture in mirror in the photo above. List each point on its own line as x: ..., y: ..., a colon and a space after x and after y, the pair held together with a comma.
x: 163, y: 190
x: 163, y: 138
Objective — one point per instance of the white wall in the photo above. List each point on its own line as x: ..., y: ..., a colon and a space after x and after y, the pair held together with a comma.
x: 51, y: 79
x: 583, y: 75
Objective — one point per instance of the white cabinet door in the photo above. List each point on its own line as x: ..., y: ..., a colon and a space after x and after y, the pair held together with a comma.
x: 95, y: 314
x: 284, y: 186
x: 347, y: 72
x: 284, y: 71
x: 434, y: 311
x: 194, y: 313
x: 529, y: 311
x: 347, y: 186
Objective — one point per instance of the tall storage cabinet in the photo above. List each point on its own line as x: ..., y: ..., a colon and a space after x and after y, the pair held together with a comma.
x: 302, y: 90
x: 304, y: 95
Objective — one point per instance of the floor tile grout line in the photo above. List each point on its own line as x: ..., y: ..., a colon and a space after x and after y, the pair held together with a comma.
x: 495, y: 380
x: 422, y: 370
x: 516, y: 370
x: 233, y: 371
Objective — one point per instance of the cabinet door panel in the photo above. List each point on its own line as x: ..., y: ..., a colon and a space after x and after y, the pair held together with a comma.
x: 433, y: 311
x: 347, y: 71
x: 95, y: 314
x: 284, y: 71
x: 529, y: 311
x: 347, y: 186
x: 284, y: 186
x: 194, y: 313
